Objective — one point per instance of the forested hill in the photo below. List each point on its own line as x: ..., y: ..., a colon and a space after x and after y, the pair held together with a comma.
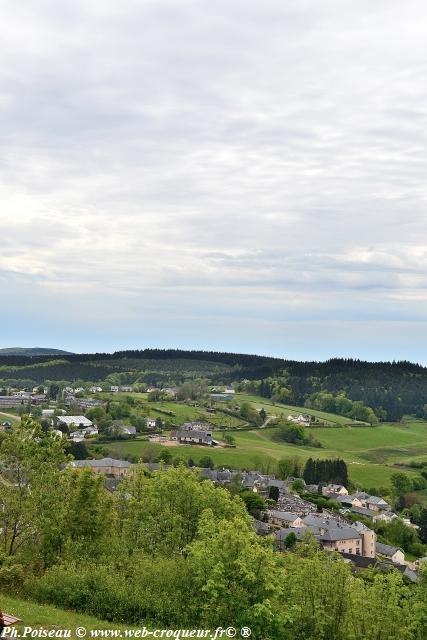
x: 391, y: 389
x: 32, y: 351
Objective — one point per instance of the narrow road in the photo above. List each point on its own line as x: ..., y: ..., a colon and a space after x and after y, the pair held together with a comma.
x: 267, y: 421
x: 10, y: 416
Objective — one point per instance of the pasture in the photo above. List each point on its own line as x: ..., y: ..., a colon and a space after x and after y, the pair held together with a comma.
x: 370, y: 452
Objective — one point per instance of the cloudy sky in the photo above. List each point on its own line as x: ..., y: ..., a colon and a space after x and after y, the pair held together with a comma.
x: 239, y: 175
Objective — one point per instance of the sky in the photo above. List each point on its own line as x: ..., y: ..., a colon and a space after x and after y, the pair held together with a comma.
x: 244, y: 176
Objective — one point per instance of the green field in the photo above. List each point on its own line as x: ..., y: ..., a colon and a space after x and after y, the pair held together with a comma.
x: 49, y: 617
x: 10, y: 415
x: 278, y: 409
x: 370, y: 452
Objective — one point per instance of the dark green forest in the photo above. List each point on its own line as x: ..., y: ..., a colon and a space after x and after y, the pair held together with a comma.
x: 390, y: 389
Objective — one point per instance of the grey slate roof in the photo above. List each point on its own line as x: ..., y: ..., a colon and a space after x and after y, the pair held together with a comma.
x: 340, y: 533
x: 104, y: 462
x: 286, y: 516
x: 260, y: 527
x: 276, y: 483
x: 386, y: 549
x: 299, y: 532
x: 363, y: 562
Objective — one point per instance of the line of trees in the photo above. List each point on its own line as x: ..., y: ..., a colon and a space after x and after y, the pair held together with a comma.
x: 325, y: 471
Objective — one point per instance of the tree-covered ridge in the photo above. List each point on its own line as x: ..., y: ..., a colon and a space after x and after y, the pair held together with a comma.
x: 365, y: 391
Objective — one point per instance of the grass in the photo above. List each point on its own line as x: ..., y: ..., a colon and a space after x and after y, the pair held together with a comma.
x: 49, y: 617
x: 370, y: 452
x: 182, y: 412
x: 9, y: 414
x: 370, y: 462
x: 278, y: 409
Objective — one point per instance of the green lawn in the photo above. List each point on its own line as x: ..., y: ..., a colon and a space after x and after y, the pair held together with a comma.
x: 182, y: 412
x: 370, y: 452
x: 49, y: 617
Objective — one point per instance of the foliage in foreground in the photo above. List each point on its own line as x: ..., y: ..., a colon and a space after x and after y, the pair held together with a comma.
x: 171, y: 550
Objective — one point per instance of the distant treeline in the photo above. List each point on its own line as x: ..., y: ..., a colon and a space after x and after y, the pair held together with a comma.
x: 350, y: 387
x: 97, y: 366
x: 389, y: 389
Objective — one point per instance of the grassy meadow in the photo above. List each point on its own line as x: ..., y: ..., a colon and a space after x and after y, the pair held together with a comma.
x: 370, y: 452
x: 49, y: 617
x: 283, y: 410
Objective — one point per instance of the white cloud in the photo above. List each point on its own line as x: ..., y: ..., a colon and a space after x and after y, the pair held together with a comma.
x: 270, y: 156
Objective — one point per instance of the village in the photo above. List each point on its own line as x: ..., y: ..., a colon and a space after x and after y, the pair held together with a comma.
x: 293, y: 517
x: 288, y: 516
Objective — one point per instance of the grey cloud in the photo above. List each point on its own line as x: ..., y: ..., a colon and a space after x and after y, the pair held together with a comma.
x: 278, y: 148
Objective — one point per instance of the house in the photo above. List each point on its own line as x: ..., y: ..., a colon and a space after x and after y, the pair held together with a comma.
x: 194, y: 437
x: 126, y: 389
x: 391, y: 553
x: 260, y: 527
x: 170, y: 391
x: 75, y: 421
x: 302, y: 418
x: 337, y: 489
x: 123, y: 429
x: 23, y: 394
x: 350, y: 500
x: 77, y: 436
x: 88, y: 403
x: 369, y: 539
x: 106, y: 466
x: 385, y: 516
x: 360, y: 562
x: 362, y: 511
x: 272, y: 482
x: 285, y: 519
x: 342, y: 538
x: 195, y: 426
x: 376, y: 503
x: 336, y: 535
x: 409, y: 573
x: 10, y: 402
x: 150, y: 422
x: 282, y: 534
x: 38, y: 399
x: 95, y: 389
x: 81, y: 434
x: 114, y: 388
